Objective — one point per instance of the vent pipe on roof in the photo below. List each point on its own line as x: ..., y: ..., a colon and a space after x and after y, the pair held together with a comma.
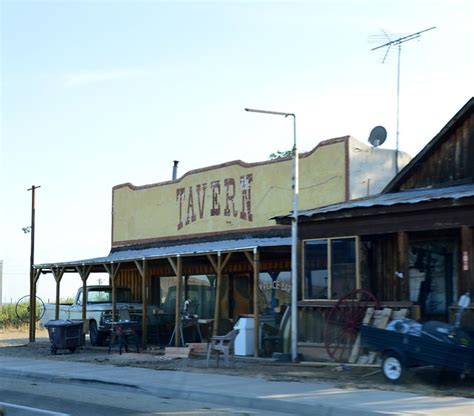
x: 175, y: 169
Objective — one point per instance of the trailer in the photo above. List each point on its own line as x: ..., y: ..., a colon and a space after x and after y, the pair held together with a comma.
x: 407, y: 343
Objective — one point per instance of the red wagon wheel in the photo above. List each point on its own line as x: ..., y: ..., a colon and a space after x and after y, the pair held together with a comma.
x: 343, y: 323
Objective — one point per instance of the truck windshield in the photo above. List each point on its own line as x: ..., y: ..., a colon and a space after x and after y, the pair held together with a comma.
x: 104, y: 295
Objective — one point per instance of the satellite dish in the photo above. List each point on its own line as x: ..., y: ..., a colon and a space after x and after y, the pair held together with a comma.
x: 377, y: 136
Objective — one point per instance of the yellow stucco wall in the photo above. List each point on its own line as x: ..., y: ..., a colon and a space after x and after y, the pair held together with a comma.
x: 229, y: 197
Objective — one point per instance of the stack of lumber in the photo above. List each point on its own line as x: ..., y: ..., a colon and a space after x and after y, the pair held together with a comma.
x: 198, y: 348
x: 378, y: 319
x: 177, y: 352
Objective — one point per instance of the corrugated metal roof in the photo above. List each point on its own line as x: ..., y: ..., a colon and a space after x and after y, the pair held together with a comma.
x: 404, y: 197
x: 182, y: 250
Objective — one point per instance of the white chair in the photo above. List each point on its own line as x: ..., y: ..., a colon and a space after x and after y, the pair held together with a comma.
x: 222, y: 344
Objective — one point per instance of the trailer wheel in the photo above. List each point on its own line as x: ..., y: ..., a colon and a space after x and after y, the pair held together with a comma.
x: 393, y: 368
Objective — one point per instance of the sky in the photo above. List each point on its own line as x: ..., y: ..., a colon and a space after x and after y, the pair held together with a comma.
x: 99, y: 93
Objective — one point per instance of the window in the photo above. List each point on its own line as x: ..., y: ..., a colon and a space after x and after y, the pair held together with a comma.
x: 104, y: 295
x: 330, y: 267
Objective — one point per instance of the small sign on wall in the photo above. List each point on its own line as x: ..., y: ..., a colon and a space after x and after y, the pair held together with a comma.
x: 465, y: 260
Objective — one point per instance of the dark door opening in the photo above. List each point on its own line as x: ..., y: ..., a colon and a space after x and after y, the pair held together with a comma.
x: 431, y: 278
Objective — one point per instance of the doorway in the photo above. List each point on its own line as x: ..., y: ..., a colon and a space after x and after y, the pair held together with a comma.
x: 432, y: 277
x: 240, y: 295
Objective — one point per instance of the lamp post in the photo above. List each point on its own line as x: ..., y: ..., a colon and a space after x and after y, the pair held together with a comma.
x: 294, y: 233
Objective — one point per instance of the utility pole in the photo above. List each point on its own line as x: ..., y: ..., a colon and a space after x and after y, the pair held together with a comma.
x: 398, y: 42
x: 32, y: 262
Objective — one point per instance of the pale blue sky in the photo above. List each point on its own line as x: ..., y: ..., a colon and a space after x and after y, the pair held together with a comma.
x: 99, y: 93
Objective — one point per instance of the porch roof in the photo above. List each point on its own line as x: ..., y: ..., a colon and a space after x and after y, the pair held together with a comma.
x: 413, y: 196
x: 156, y: 252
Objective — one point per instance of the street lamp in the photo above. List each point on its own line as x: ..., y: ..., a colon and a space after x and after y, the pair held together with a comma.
x: 294, y: 233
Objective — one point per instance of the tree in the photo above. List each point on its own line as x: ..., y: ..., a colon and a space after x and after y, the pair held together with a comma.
x: 279, y: 154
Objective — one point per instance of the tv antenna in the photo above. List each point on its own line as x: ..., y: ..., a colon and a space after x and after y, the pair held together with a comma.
x: 398, y: 42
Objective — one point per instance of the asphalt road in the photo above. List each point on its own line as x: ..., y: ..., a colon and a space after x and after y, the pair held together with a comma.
x: 26, y: 397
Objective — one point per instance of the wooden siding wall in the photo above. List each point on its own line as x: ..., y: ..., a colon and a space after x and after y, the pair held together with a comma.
x: 450, y: 162
x: 130, y: 277
x: 311, y: 323
x: 366, y: 264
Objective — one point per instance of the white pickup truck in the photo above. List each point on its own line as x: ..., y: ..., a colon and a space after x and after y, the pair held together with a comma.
x: 98, y: 310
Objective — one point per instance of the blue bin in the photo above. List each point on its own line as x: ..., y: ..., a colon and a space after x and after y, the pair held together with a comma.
x: 65, y: 334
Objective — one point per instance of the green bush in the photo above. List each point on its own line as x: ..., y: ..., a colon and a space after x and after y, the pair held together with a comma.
x: 8, y: 318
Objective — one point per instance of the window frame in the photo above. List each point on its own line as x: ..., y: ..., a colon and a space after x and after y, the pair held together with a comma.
x: 329, y: 265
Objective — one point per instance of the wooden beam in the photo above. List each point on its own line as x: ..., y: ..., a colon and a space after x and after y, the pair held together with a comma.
x: 249, y: 257
x: 213, y: 262
x: 37, y: 275
x: 58, y: 273
x: 84, y: 272
x: 107, y: 268
x: 113, y: 269
x: 436, y: 219
x: 173, y: 265
x: 226, y: 260
x: 142, y: 269
x: 177, y: 323
x: 255, y: 263
x: 32, y: 326
x: 215, y: 327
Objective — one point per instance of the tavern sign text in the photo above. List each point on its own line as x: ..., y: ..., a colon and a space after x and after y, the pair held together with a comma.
x: 227, y: 198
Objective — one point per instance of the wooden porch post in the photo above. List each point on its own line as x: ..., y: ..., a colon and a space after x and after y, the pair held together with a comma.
x: 218, y: 268
x: 32, y: 328
x: 217, y: 306
x: 466, y: 279
x: 177, y: 323
x: 178, y: 270
x: 112, y: 270
x: 255, y: 266
x: 84, y: 272
x: 58, y: 273
x: 142, y: 269
x: 403, y: 266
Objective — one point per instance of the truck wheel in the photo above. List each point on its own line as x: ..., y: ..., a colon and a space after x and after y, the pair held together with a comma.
x: 393, y: 368
x: 95, y: 336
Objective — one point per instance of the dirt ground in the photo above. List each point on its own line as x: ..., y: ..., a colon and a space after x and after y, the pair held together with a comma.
x: 425, y: 381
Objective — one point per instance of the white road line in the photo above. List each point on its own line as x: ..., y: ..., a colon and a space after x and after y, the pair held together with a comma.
x: 33, y: 409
